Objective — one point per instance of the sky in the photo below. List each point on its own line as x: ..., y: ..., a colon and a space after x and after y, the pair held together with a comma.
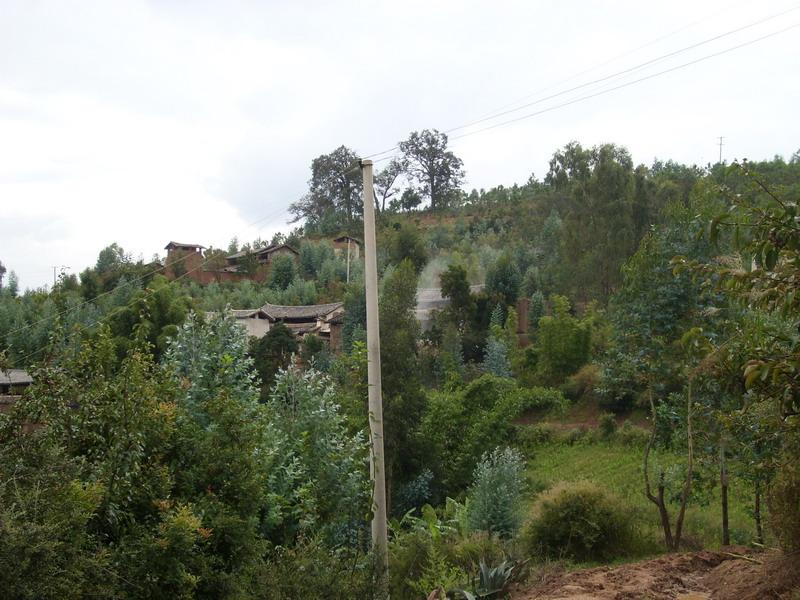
x: 140, y: 122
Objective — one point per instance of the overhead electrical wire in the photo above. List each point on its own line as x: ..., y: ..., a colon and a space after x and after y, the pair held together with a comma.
x: 612, y: 59
x: 611, y: 76
x: 628, y: 83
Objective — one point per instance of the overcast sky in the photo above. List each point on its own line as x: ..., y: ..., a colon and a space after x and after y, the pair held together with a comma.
x: 143, y: 122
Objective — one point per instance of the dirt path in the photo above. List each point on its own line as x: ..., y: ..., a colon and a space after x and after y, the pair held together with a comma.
x: 690, y: 576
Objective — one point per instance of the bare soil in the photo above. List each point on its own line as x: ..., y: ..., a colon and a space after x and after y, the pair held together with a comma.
x: 688, y: 576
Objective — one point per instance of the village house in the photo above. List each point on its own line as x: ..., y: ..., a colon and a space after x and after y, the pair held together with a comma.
x: 262, y: 257
x: 322, y: 320
x: 188, y: 260
x: 345, y: 246
x: 13, y: 384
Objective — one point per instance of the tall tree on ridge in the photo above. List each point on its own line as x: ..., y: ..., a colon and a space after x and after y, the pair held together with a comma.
x: 334, y: 191
x: 438, y: 171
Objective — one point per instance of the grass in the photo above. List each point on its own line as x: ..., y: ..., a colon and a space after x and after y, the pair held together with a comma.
x: 619, y: 468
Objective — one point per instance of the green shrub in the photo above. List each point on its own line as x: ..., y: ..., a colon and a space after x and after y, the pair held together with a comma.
x: 493, y: 500
x: 607, y: 425
x: 460, y: 424
x: 632, y: 436
x: 542, y: 400
x: 312, y: 570
x: 579, y: 521
x: 575, y: 435
x: 434, y: 550
x: 582, y: 384
x: 528, y: 438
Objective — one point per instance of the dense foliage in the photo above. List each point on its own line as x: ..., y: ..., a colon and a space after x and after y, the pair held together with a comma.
x: 649, y: 314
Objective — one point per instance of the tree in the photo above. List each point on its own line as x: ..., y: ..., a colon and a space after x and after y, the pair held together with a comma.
x: 503, y: 280
x: 437, y: 171
x: 496, y: 360
x: 319, y: 485
x: 403, y: 397
x: 157, y: 311
x: 333, y: 200
x: 598, y: 224
x: 386, y: 182
x: 282, y: 272
x: 110, y: 259
x: 2, y: 273
x: 563, y: 343
x: 762, y: 223
x: 272, y: 353
x: 220, y: 422
x: 405, y: 242
x: 455, y: 287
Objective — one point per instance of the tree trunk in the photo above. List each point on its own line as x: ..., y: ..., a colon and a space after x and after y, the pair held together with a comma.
x: 757, y: 513
x: 723, y: 483
x: 687, y: 485
x: 657, y: 500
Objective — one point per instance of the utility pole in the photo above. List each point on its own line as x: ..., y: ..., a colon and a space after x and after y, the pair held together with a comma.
x: 720, y: 138
x: 63, y: 270
x: 348, y: 259
x: 377, y: 468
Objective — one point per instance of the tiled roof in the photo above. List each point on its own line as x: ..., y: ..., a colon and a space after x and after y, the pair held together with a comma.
x: 311, y: 311
x: 264, y: 250
x: 15, y: 377
x: 180, y: 245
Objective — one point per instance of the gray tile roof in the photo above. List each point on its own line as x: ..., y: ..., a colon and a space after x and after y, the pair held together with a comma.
x: 180, y: 245
x: 15, y: 377
x: 311, y: 311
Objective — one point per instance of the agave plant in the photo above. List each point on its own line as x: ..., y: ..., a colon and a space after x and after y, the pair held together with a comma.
x: 492, y: 583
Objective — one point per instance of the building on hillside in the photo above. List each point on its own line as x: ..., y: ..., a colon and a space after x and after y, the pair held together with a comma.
x: 14, y: 381
x: 262, y: 257
x: 322, y: 320
x: 13, y: 384
x: 255, y: 322
x: 189, y: 261
x: 345, y: 244
x: 183, y: 259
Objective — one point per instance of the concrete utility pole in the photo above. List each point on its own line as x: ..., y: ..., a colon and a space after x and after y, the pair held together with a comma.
x: 377, y: 469
x: 348, y: 259
x: 720, y: 138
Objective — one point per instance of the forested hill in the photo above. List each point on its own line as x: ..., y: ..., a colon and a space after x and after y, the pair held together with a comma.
x: 647, y: 402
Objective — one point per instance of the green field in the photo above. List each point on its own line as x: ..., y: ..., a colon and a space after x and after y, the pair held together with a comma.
x: 619, y: 469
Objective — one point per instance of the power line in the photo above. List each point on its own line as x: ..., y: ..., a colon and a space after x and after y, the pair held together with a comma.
x: 608, y: 77
x: 627, y: 84
x: 628, y: 70
x: 612, y: 59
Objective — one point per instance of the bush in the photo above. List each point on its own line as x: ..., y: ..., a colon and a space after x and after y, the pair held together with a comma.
x: 434, y: 550
x: 413, y: 494
x: 529, y: 437
x: 579, y: 521
x: 607, y: 425
x: 494, y: 497
x: 575, y: 435
x: 582, y: 384
x: 633, y: 436
x: 312, y: 570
